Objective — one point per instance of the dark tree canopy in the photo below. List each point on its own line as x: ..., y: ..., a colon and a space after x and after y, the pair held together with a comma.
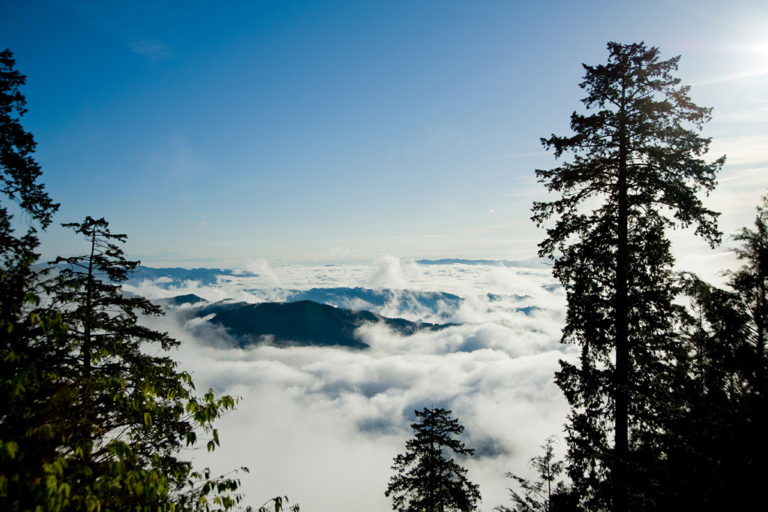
x: 426, y: 479
x: 19, y: 172
x: 101, y: 420
x: 717, y: 443
x: 24, y: 363
x: 19, y: 185
x: 636, y: 168
x: 751, y: 280
x: 95, y: 415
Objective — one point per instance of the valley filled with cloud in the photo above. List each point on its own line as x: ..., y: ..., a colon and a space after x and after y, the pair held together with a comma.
x: 322, y: 424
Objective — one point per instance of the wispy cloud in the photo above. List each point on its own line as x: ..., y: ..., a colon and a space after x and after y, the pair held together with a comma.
x: 759, y: 115
x: 755, y: 73
x: 528, y: 154
x: 177, y: 159
x: 747, y: 150
x: 152, y: 50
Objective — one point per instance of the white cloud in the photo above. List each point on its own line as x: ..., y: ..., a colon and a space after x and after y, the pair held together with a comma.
x: 757, y: 114
x: 323, y: 425
x: 731, y: 77
x: 261, y: 267
x: 389, y: 274
x: 742, y: 150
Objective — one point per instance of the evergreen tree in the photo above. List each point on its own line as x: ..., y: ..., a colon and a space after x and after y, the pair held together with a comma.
x: 19, y: 173
x: 748, y: 380
x: 90, y: 419
x: 19, y: 184
x: 122, y: 414
x: 636, y: 171
x: 425, y: 480
x: 708, y: 412
x: 24, y: 362
x: 716, y: 442
x: 548, y: 493
x: 751, y: 283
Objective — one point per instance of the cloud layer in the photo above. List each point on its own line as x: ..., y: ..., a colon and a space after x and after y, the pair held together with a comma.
x: 323, y: 425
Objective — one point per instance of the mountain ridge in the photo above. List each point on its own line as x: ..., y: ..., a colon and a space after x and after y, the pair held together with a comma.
x: 299, y: 323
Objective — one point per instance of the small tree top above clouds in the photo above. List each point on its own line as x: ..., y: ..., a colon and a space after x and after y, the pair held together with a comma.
x: 426, y: 478
x: 548, y: 493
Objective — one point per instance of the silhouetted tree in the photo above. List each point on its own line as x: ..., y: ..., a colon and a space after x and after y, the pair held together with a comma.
x: 90, y: 419
x: 716, y: 442
x: 426, y: 479
x: 636, y: 170
x: 122, y: 414
x: 706, y: 409
x: 19, y: 175
x: 25, y: 361
x: 546, y: 494
x: 751, y: 283
x: 749, y: 373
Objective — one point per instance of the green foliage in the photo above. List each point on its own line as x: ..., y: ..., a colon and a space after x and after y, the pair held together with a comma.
x: 635, y: 171
x: 26, y: 391
x: 95, y: 421
x: 425, y: 479
x: 128, y: 412
x: 93, y: 418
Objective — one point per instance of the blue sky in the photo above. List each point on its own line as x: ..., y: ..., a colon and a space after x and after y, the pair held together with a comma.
x: 217, y: 133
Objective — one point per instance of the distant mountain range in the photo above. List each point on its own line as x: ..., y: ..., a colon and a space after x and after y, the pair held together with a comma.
x: 327, y: 317
x: 529, y: 263
x: 181, y: 300
x: 176, y: 276
x: 396, y: 302
x: 302, y: 323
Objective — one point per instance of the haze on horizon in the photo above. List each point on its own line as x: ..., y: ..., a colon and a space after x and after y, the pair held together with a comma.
x: 332, y: 132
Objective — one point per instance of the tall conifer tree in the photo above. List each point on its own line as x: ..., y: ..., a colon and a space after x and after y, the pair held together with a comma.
x: 25, y: 361
x: 90, y: 420
x: 19, y: 184
x: 635, y: 171
x: 124, y: 411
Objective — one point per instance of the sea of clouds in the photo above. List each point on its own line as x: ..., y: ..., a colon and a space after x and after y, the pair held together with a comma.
x: 322, y: 425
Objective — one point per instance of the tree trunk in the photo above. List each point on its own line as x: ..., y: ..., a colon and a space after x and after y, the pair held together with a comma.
x: 621, y: 437
x: 88, y: 306
x: 760, y: 313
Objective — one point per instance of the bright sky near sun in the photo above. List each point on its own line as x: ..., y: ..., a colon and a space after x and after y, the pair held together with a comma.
x: 217, y: 132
